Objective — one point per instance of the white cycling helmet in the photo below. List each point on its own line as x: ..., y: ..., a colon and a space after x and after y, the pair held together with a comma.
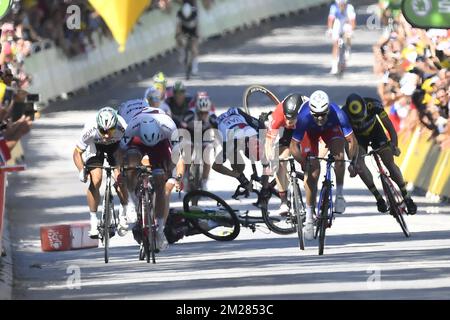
x: 152, y: 95
x: 106, y: 118
x: 338, y: 2
x: 150, y: 132
x: 186, y: 10
x: 203, y: 103
x: 319, y: 103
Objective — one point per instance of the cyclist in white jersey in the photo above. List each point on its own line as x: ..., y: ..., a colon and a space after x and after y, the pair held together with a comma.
x: 341, y: 20
x: 129, y: 109
x: 100, y: 135
x: 153, y: 98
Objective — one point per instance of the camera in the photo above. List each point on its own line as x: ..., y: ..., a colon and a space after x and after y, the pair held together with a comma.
x: 27, y: 108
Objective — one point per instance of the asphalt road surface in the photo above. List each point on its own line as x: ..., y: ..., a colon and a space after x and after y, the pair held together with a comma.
x: 366, y: 255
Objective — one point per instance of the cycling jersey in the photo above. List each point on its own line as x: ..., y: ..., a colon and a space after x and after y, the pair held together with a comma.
x: 306, y: 123
x: 90, y: 136
x: 192, y: 116
x: 374, y: 108
x: 131, y: 108
x: 343, y: 17
x: 235, y: 119
x: 189, y: 25
x: 178, y: 112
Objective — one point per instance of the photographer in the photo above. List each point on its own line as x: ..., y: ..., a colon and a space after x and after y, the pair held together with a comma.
x: 16, y: 112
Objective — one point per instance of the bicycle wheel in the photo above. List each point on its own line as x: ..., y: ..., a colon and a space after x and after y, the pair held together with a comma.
x: 395, y: 203
x: 282, y: 223
x: 299, y: 211
x: 212, y: 216
x: 150, y: 226
x: 273, y: 100
x: 106, y: 222
x: 322, y: 222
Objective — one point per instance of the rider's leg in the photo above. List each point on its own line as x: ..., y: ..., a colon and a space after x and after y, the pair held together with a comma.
x: 366, y: 176
x: 93, y: 198
x: 195, y: 53
x: 388, y: 159
x: 282, y: 178
x: 337, y: 149
x: 335, y: 49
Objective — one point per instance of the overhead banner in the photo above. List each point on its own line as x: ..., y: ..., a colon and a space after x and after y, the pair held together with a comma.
x: 426, y: 14
x: 120, y: 16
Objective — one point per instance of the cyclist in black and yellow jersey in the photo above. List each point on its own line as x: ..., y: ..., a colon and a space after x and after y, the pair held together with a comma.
x: 367, y: 117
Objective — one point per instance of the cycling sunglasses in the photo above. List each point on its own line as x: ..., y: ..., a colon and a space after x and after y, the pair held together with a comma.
x: 322, y: 115
x: 110, y: 131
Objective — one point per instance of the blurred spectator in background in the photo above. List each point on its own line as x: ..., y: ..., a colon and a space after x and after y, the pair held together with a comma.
x: 187, y: 26
x: 414, y: 67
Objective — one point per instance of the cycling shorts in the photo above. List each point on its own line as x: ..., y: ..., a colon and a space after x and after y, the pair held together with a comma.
x: 99, y: 157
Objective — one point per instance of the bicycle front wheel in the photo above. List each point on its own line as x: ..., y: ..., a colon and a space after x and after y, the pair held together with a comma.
x: 322, y: 222
x: 299, y: 211
x: 395, y: 203
x: 149, y: 230
x: 270, y: 99
x: 106, y: 222
x: 211, y: 215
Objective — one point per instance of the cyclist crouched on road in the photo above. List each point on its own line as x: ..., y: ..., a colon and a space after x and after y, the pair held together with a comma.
x: 365, y: 115
x: 101, y: 135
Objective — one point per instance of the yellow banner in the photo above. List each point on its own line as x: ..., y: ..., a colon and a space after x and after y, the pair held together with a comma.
x: 120, y: 16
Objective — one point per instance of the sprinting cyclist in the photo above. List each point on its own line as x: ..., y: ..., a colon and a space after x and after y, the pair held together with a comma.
x: 365, y: 115
x: 179, y: 103
x: 317, y: 119
x: 281, y: 124
x: 153, y: 98
x: 99, y: 136
x: 160, y: 83
x: 341, y: 19
x: 187, y: 26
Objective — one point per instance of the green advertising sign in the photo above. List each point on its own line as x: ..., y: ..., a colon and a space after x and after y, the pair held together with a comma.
x: 5, y: 6
x: 427, y: 13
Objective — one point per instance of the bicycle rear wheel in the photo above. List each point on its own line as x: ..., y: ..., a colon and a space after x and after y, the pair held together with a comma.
x: 212, y: 216
x: 396, y: 203
x: 282, y: 223
x: 272, y: 98
x: 299, y: 211
x: 322, y: 222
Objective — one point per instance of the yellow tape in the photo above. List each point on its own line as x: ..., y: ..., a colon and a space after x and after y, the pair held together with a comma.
x: 441, y: 174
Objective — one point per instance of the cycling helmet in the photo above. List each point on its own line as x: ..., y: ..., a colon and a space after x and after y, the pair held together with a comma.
x: 203, y: 103
x: 319, y: 103
x: 356, y: 106
x: 338, y: 2
x: 106, y: 119
x: 292, y: 104
x: 160, y: 78
x: 186, y: 10
x: 152, y: 95
x: 150, y: 132
x: 179, y: 87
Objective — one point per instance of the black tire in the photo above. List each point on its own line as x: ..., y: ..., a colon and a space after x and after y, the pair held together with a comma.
x: 233, y: 219
x: 148, y: 212
x: 299, y: 210
x: 394, y: 205
x: 272, y: 222
x: 257, y: 88
x: 323, y: 220
x: 106, y: 223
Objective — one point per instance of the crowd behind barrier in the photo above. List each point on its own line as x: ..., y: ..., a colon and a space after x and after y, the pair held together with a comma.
x: 414, y: 67
x: 152, y: 36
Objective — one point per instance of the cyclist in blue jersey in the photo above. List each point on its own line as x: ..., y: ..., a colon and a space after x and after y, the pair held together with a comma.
x: 317, y: 119
x: 341, y: 21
